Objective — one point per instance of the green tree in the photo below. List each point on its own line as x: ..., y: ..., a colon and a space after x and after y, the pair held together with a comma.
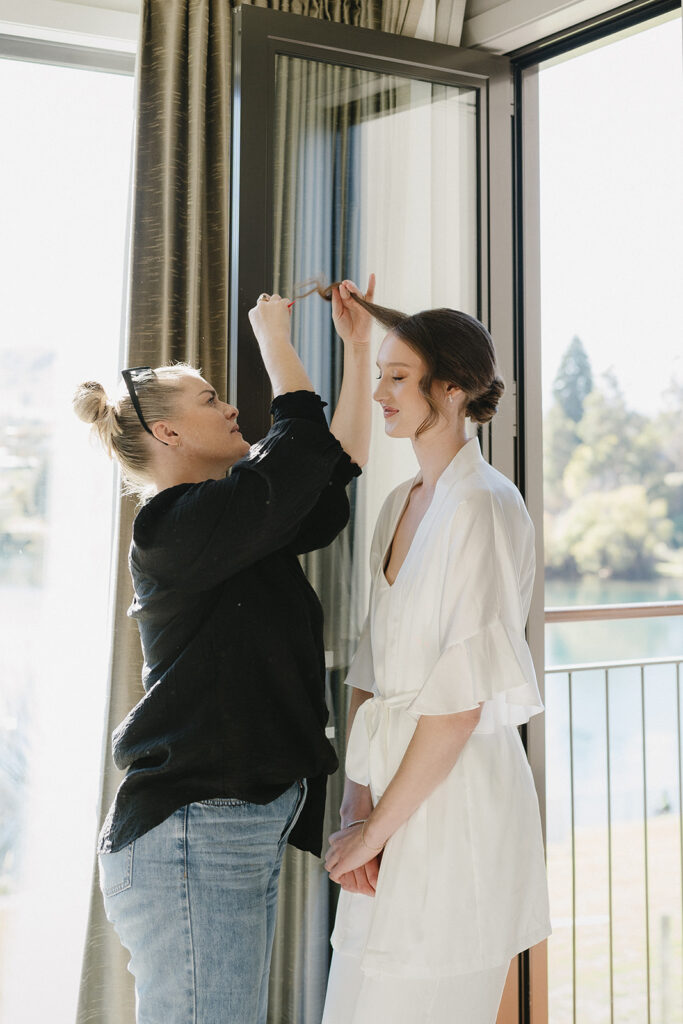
x: 618, y: 507
x: 670, y: 423
x: 614, y: 533
x: 574, y: 380
x: 618, y: 445
x: 560, y: 440
x: 669, y: 429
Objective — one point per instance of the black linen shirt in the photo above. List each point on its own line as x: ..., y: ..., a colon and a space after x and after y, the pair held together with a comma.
x: 231, y: 632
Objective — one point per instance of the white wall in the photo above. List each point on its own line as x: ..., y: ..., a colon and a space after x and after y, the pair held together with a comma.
x: 495, y: 25
x: 109, y: 24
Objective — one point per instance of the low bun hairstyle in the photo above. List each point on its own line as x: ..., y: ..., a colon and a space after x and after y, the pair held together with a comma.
x: 118, y: 426
x: 456, y: 348
x: 484, y: 408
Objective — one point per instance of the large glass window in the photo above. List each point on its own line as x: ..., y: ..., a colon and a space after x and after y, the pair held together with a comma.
x: 64, y: 175
x: 611, y: 163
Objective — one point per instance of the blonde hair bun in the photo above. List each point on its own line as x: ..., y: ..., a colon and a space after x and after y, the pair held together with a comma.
x: 92, y: 406
x: 90, y: 402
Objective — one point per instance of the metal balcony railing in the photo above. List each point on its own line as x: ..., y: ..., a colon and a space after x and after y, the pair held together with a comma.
x: 610, y: 692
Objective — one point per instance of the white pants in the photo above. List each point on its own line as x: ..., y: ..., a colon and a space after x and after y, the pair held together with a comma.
x: 356, y: 998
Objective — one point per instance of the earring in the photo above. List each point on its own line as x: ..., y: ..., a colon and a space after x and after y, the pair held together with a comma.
x: 450, y: 398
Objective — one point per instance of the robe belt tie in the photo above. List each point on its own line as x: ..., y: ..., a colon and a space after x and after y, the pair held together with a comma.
x: 368, y: 752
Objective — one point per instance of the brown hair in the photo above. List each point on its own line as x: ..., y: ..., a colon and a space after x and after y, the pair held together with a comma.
x: 118, y: 425
x: 456, y: 348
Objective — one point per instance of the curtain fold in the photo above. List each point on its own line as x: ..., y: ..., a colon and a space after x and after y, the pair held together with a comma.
x: 178, y: 310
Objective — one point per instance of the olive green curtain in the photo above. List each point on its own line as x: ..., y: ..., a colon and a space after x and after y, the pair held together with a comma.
x: 177, y: 309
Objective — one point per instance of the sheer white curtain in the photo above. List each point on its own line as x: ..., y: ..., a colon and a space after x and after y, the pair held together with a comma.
x: 419, y: 202
x: 372, y: 173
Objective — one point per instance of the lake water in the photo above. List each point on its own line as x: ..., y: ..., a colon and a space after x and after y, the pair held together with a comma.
x: 640, y: 716
x: 570, y: 643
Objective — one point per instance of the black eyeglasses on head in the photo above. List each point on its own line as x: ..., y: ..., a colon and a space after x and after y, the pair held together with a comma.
x: 135, y: 375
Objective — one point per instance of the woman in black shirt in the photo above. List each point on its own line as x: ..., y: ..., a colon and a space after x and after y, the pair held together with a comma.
x: 225, y: 755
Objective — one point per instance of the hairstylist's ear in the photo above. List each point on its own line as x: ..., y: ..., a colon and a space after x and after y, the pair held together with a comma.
x: 165, y: 433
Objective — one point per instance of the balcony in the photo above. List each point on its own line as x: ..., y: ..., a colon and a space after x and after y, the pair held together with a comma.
x: 615, y: 832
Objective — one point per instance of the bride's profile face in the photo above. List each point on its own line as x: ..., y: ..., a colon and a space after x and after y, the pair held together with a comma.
x: 398, y: 387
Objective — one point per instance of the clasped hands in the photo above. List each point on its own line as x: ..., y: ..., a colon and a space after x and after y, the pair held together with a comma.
x: 351, y: 863
x: 351, y: 860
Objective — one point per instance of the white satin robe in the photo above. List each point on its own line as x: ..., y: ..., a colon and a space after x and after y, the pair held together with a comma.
x: 462, y: 884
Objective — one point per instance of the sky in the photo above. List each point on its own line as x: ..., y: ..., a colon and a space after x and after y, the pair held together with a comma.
x: 611, y: 163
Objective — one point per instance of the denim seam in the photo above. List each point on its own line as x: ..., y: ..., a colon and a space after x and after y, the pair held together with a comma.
x: 223, y: 802
x: 189, y: 915
x: 298, y: 807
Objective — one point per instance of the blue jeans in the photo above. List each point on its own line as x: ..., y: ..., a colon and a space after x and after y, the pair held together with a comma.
x: 194, y: 902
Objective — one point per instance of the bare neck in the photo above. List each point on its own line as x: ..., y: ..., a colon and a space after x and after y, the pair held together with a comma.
x: 437, y: 448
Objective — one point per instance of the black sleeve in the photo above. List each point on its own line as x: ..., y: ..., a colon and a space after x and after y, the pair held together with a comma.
x: 330, y: 514
x: 195, y: 536
x: 299, y: 405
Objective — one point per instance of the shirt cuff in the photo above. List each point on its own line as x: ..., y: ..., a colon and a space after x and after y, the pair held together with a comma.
x: 299, y: 405
x: 345, y: 470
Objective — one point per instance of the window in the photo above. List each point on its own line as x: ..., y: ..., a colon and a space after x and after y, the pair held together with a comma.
x: 64, y: 176
x: 611, y: 219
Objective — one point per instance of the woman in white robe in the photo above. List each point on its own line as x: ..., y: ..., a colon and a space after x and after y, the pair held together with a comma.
x: 440, y: 856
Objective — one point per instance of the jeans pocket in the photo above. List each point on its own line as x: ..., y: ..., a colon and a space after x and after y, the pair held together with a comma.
x: 116, y: 870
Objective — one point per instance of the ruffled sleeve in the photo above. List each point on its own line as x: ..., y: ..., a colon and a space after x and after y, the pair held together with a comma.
x: 484, y: 654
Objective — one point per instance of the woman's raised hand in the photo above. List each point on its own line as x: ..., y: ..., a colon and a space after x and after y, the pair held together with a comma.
x: 270, y: 318
x: 270, y: 322
x: 351, y: 321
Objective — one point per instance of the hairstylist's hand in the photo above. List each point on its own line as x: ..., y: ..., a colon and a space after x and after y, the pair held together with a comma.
x: 351, y: 321
x: 270, y: 318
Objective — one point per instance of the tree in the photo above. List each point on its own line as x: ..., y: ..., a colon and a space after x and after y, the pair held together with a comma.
x: 670, y: 423
x: 669, y: 428
x: 615, y: 533
x: 574, y: 380
x: 618, y: 445
x: 560, y: 440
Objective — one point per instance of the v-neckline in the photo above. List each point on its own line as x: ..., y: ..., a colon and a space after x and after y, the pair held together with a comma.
x: 386, y: 554
x: 443, y: 483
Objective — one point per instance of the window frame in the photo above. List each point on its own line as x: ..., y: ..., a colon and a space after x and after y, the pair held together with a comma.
x: 58, y: 54
x: 261, y: 34
x: 526, y: 64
